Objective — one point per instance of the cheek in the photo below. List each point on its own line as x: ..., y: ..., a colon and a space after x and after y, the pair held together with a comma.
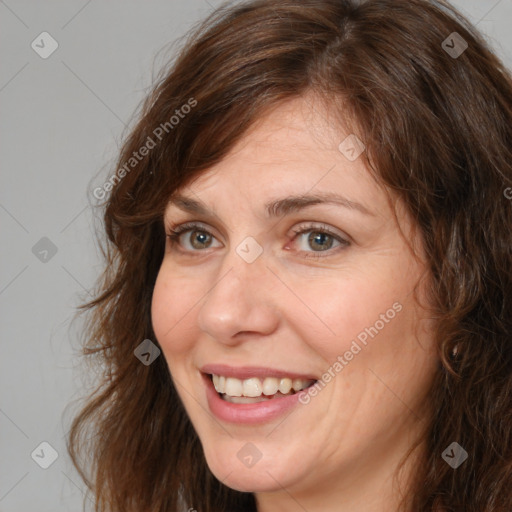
x: 384, y: 349
x: 367, y: 320
x: 348, y: 309
x: 171, y: 312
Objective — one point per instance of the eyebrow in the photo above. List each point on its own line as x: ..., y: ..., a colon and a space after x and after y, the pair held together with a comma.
x: 277, y: 207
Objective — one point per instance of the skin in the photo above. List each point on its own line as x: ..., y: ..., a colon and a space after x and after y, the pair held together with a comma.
x: 284, y: 310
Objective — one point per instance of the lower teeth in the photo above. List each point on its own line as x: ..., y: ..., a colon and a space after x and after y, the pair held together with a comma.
x: 252, y: 400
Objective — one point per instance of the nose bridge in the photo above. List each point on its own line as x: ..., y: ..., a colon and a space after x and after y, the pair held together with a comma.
x: 244, y: 266
x: 239, y: 300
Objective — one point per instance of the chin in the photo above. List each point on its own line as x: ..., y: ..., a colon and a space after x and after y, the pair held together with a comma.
x: 263, y: 476
x: 250, y: 480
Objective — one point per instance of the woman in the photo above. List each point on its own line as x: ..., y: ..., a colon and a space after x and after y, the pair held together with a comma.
x: 308, y: 297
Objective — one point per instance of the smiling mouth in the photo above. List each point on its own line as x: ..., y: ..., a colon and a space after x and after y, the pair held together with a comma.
x: 254, y: 389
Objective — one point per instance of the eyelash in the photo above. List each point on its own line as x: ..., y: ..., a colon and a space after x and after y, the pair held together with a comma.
x: 176, y: 231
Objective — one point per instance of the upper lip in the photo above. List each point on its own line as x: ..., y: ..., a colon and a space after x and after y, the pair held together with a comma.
x: 246, y: 372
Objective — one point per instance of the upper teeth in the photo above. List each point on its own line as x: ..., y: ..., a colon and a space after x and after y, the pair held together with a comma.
x: 254, y: 387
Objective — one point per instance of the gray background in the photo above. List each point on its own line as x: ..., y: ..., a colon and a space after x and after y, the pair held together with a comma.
x: 62, y: 119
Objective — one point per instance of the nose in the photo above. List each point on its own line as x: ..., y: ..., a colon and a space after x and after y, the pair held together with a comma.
x: 240, y: 301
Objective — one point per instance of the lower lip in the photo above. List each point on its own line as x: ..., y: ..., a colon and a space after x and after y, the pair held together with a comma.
x: 259, y: 412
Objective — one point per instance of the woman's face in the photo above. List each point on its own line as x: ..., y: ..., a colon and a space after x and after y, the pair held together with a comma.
x: 271, y: 297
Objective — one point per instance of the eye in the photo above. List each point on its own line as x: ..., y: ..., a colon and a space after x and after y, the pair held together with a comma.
x: 320, y: 239
x: 198, y: 239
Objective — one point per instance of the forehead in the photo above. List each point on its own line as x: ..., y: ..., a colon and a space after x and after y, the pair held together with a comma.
x: 296, y: 148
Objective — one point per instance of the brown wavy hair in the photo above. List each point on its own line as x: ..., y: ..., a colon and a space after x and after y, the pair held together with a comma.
x: 438, y: 133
